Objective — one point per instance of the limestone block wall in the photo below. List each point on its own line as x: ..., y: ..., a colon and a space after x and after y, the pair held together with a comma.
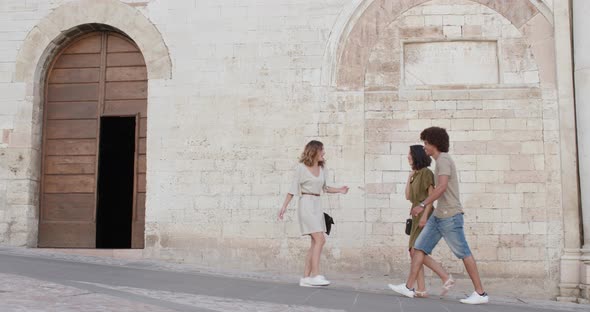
x: 495, y: 92
x: 246, y: 96
x: 246, y: 89
x: 503, y: 126
x: 17, y: 177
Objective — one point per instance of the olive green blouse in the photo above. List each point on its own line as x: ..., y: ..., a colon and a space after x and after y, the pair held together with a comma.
x: 419, y: 184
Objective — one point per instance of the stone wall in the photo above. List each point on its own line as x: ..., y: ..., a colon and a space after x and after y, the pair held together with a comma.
x: 502, y: 122
x: 238, y: 87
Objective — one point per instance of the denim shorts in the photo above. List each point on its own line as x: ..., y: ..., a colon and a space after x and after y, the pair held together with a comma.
x: 451, y: 229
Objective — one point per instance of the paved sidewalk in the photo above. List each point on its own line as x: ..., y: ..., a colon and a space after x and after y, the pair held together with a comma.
x: 38, y: 280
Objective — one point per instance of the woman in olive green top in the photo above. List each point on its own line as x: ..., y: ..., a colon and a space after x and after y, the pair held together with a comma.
x: 420, y: 184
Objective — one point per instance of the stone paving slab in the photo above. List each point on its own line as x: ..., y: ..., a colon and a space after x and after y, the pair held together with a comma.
x: 19, y: 293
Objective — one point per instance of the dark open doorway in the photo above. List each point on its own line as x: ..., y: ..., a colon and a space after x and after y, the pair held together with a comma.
x: 115, y: 182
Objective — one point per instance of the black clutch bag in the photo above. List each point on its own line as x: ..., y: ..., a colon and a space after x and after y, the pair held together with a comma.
x: 329, y: 222
x: 408, y: 226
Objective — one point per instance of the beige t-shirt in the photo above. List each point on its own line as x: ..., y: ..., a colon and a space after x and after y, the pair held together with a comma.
x: 449, y: 204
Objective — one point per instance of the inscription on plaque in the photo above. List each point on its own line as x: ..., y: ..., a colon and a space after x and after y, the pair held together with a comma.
x: 450, y: 63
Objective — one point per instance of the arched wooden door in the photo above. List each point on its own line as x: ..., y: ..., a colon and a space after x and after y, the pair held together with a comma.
x: 98, y: 75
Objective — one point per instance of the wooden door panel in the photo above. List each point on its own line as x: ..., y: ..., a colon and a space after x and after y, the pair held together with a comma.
x: 138, y: 223
x: 74, y: 75
x: 142, y: 127
x: 127, y: 73
x: 125, y: 107
x: 125, y: 59
x: 72, y: 110
x: 70, y: 164
x: 72, y: 92
x: 140, y: 215
x: 71, y: 147
x: 126, y: 90
x: 142, y: 147
x: 138, y: 234
x: 90, y: 44
x: 67, y: 234
x: 78, y: 61
x: 118, y: 44
x: 71, y: 129
x: 141, y: 182
x: 141, y: 166
x: 69, y: 207
x: 68, y: 184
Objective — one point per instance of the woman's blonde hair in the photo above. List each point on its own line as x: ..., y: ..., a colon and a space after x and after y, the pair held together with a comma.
x: 311, y: 152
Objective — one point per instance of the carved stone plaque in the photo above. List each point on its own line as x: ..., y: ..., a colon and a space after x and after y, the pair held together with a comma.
x: 450, y: 63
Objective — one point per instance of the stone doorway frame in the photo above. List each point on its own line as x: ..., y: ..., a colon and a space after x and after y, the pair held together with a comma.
x: 64, y: 24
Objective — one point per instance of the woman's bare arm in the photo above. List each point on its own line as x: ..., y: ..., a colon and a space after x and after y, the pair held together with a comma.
x: 285, y: 205
x: 343, y: 189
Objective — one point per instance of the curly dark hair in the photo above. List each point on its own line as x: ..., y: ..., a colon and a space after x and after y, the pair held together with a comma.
x: 436, y: 136
x: 419, y: 158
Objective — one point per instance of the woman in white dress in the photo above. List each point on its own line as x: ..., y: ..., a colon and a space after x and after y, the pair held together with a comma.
x: 308, y: 182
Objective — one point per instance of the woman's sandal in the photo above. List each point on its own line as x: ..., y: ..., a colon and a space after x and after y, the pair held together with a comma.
x: 447, y: 285
x: 420, y: 294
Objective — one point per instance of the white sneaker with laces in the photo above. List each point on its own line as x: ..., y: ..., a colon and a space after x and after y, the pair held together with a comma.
x: 476, y: 298
x: 317, y: 280
x: 402, y: 290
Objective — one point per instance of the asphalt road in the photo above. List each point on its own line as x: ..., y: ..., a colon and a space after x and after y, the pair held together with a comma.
x: 40, y: 283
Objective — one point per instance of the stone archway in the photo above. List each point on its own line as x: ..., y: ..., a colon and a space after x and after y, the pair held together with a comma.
x: 44, y: 41
x: 368, y: 17
x: 354, y: 46
x: 348, y: 65
x: 56, y: 27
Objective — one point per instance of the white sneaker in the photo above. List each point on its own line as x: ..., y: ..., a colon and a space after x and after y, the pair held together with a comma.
x: 323, y: 278
x: 303, y: 282
x: 476, y: 298
x: 317, y: 280
x: 402, y: 290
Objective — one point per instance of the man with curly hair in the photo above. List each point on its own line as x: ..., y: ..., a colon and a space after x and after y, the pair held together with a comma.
x: 446, y: 222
